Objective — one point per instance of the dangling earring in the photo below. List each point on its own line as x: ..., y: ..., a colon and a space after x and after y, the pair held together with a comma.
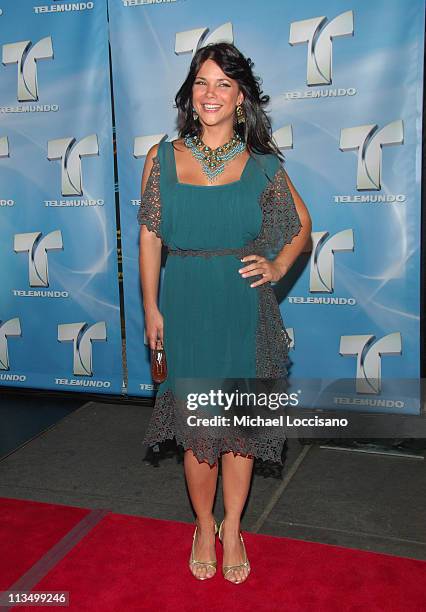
x: 194, y: 114
x: 240, y: 114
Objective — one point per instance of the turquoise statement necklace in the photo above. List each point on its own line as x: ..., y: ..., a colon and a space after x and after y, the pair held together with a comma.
x: 213, y: 160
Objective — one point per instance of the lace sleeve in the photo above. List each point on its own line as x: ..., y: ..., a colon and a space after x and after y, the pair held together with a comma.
x: 281, y: 221
x: 149, y: 212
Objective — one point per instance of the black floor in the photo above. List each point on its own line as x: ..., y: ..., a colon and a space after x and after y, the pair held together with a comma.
x: 25, y: 416
x: 90, y: 455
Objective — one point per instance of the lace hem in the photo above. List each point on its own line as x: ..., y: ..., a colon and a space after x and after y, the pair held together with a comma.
x: 207, y: 444
x: 149, y: 212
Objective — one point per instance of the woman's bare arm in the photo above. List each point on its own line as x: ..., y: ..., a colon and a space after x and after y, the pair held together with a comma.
x: 149, y: 266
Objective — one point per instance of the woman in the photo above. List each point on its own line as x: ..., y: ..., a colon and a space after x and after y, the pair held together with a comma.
x: 217, y: 196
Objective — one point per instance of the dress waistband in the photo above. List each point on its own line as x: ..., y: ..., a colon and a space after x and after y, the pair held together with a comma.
x: 238, y: 252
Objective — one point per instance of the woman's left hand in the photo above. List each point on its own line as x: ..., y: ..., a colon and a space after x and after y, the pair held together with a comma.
x: 270, y: 270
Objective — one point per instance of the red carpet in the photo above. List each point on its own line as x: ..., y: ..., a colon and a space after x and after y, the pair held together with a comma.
x: 128, y: 563
x: 27, y: 530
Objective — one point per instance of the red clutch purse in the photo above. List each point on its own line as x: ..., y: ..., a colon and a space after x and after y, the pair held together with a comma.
x: 158, y: 363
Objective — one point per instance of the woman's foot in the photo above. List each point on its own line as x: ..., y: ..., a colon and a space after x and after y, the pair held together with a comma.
x: 236, y: 566
x: 203, y: 555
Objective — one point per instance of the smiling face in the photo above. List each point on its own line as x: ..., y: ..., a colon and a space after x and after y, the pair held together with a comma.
x: 215, y: 95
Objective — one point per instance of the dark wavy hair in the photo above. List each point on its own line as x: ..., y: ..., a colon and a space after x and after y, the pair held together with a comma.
x: 256, y: 131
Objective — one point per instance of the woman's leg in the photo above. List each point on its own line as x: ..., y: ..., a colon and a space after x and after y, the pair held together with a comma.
x: 236, y: 474
x: 201, y: 479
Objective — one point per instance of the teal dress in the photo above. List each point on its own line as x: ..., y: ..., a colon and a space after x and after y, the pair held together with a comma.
x: 219, y: 332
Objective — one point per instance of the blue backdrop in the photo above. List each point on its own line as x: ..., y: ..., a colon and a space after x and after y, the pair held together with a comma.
x: 59, y: 300
x: 346, y: 101
x: 346, y: 86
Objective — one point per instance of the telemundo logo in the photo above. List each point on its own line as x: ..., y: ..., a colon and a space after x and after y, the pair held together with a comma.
x: 368, y: 140
x: 82, y: 335
x: 321, y: 279
x: 9, y: 329
x: 318, y: 33
x: 70, y: 152
x: 369, y: 352
x: 64, y: 7
x: 5, y: 153
x: 26, y: 55
x: 37, y: 247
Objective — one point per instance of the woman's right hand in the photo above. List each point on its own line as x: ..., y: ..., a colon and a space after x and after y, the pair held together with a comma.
x: 154, y: 326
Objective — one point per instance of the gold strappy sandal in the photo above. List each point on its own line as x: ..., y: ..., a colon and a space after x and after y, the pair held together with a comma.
x: 193, y: 562
x: 227, y: 568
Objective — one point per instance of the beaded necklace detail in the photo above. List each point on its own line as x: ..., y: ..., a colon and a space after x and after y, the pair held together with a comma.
x: 213, y: 160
